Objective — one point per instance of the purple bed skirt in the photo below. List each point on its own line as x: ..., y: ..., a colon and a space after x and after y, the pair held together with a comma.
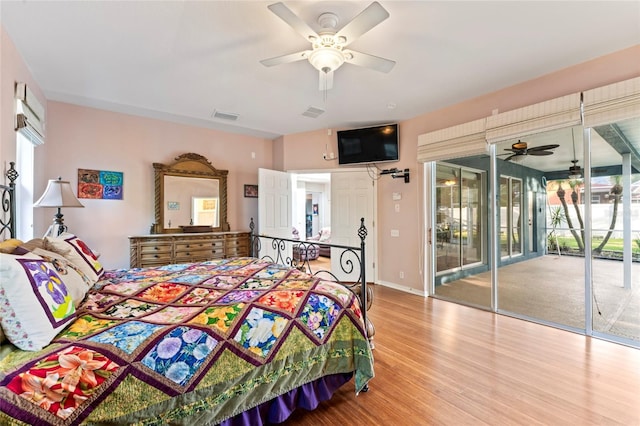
x: 277, y: 410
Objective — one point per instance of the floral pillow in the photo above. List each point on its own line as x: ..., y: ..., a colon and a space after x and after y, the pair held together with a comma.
x: 78, y: 252
x: 35, y: 303
x: 76, y: 281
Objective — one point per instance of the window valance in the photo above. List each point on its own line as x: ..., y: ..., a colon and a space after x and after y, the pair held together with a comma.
x: 612, y: 103
x: 463, y: 140
x: 29, y: 114
x: 537, y: 118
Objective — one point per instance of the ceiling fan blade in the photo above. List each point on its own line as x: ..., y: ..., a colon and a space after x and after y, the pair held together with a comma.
x: 285, y: 59
x: 301, y: 27
x: 543, y: 147
x: 367, y: 19
x: 326, y: 80
x: 530, y: 152
x: 510, y: 157
x: 368, y: 61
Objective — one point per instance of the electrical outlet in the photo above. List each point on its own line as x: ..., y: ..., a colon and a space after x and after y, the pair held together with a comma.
x: 401, y: 275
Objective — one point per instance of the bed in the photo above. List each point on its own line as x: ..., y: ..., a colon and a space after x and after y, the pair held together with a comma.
x: 229, y: 341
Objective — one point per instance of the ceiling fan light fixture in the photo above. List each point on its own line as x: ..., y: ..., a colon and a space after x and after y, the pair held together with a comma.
x: 326, y: 59
x: 575, y: 172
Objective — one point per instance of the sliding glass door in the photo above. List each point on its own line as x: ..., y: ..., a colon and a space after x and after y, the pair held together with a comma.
x: 615, y: 231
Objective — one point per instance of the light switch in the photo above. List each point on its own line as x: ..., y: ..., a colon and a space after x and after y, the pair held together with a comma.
x: 397, y: 196
x: 397, y: 207
x: 395, y: 233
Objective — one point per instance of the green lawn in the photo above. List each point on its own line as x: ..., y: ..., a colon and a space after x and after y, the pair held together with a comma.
x: 614, y: 244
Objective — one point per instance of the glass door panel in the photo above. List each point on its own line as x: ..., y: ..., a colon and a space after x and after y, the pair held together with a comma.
x: 542, y: 286
x: 447, y: 218
x: 615, y: 229
x: 471, y: 218
x: 460, y: 232
x: 516, y: 223
x: 504, y: 217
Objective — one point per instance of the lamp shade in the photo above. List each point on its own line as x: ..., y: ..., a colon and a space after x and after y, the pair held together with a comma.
x: 58, y: 194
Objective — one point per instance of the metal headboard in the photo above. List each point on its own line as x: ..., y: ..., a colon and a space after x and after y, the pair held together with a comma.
x: 8, y: 199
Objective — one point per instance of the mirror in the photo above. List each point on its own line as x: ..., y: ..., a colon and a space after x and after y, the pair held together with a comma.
x: 190, y: 196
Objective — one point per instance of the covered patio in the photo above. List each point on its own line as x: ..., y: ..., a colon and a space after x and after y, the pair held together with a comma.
x: 550, y: 289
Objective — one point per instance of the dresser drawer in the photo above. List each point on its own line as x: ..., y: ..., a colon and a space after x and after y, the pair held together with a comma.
x: 198, y: 245
x: 237, y: 241
x: 153, y: 258
x: 196, y: 255
x: 153, y: 247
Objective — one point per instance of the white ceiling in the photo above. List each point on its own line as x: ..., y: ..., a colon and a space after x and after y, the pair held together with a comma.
x: 181, y: 60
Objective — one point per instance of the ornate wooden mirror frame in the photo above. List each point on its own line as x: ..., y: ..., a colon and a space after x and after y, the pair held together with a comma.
x: 188, y: 165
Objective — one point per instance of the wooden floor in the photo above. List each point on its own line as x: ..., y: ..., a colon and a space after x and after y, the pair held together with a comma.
x: 439, y: 363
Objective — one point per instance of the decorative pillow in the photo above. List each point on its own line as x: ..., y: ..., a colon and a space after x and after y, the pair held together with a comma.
x: 32, y: 244
x: 76, y: 281
x: 8, y: 246
x: 35, y: 304
x: 325, y: 235
x: 76, y: 251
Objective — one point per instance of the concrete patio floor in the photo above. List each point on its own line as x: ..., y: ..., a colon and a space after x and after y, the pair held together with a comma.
x: 551, y: 288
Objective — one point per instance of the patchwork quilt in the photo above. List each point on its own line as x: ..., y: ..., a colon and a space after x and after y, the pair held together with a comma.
x: 187, y: 344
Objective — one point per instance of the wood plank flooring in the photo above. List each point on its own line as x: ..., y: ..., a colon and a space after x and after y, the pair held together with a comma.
x: 438, y: 363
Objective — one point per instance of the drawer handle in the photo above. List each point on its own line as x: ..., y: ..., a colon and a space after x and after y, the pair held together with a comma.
x: 187, y: 246
x: 155, y: 255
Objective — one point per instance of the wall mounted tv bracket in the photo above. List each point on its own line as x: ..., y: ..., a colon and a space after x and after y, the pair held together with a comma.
x: 395, y: 173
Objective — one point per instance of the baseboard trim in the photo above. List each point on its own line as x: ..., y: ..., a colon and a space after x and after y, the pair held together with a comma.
x: 402, y: 288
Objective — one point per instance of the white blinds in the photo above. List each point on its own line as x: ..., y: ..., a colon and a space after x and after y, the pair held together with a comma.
x: 463, y: 140
x: 29, y: 115
x: 549, y: 115
x: 612, y: 103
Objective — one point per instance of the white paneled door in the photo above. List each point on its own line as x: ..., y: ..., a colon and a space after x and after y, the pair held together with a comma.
x: 275, y: 195
x: 352, y: 198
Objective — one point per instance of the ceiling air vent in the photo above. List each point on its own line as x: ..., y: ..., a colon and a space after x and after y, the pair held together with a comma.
x: 229, y: 116
x: 313, y: 112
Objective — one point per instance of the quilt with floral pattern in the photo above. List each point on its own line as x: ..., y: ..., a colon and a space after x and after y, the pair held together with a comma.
x: 187, y: 344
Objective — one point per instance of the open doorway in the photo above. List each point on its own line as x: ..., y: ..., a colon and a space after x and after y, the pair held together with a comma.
x: 312, y: 204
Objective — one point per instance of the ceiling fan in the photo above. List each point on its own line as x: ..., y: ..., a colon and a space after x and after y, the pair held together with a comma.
x: 575, y: 171
x: 520, y: 149
x: 328, y: 51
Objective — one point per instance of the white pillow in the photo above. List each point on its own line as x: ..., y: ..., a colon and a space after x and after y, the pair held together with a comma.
x: 76, y: 251
x: 35, y: 303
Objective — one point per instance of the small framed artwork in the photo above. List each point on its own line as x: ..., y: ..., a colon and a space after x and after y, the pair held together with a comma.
x: 251, y: 191
x: 100, y: 184
x: 315, y: 209
x: 173, y: 205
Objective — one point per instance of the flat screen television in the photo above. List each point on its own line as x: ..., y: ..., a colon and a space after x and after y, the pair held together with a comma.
x: 368, y: 145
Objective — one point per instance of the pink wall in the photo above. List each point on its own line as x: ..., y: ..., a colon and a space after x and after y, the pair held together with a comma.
x: 95, y: 139
x: 304, y: 151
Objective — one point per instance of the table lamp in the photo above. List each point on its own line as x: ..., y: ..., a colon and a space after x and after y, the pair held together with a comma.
x: 58, y: 194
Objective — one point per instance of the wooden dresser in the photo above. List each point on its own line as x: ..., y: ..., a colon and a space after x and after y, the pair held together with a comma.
x: 164, y: 249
